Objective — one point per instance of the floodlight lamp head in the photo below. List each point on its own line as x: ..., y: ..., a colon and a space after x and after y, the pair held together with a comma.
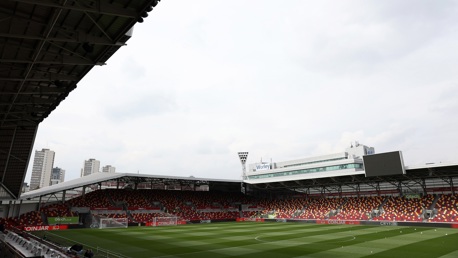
x: 243, y: 156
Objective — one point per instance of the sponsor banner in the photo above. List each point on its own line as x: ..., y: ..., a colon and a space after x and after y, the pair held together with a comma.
x: 165, y: 223
x: 205, y: 221
x: 209, y: 221
x: 342, y: 222
x: 250, y: 219
x: 374, y: 223
x: 280, y: 220
x: 294, y: 220
x: 388, y: 223
x: 409, y: 224
x: 45, y: 228
x: 62, y: 220
x: 262, y: 166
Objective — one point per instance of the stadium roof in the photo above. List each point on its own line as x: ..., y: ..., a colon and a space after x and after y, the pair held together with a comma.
x: 129, y: 178
x: 431, y: 177
x: 46, y: 48
x: 440, y: 176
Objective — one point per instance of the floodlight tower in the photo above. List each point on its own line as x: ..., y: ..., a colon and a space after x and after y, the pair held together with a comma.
x: 243, y: 156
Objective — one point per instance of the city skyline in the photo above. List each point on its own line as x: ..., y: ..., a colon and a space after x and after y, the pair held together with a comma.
x: 44, y: 173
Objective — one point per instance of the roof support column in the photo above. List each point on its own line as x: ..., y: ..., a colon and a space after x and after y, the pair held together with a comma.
x: 8, y: 209
x: 63, y: 195
x: 339, y: 190
x: 451, y: 186
x: 19, y: 208
x: 307, y: 193
x: 423, y: 186
x: 39, y: 203
x: 14, y: 210
x: 357, y: 189
x: 377, y: 188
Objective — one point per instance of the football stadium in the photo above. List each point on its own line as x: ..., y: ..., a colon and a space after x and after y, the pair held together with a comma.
x: 355, y: 203
x: 351, y: 204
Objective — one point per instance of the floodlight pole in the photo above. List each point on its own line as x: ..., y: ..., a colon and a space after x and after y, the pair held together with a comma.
x: 243, y: 157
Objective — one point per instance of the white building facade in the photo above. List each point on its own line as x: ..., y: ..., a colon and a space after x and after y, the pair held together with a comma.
x: 57, y: 176
x: 42, y: 169
x: 349, y: 162
x: 90, y: 166
x: 108, y: 169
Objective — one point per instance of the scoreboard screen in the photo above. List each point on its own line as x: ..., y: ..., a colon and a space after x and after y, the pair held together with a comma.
x: 384, y: 164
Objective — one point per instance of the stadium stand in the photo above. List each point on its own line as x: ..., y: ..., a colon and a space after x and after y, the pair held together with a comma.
x: 404, y: 209
x: 141, y: 206
x: 446, y: 209
x: 358, y: 208
x: 94, y: 199
x: 57, y: 210
x: 32, y: 218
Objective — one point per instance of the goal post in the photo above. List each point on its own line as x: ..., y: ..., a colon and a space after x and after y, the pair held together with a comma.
x: 113, y: 223
x: 165, y: 221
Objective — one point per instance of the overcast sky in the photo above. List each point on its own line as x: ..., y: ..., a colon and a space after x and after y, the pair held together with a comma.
x: 201, y: 80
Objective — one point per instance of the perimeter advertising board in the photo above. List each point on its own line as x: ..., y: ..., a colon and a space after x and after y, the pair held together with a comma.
x: 62, y: 220
x: 45, y: 228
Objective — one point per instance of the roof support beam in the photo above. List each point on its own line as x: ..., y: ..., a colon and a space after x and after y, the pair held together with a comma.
x: 98, y: 26
x: 78, y: 37
x: 102, y: 7
x: 41, y: 78
x: 65, y: 60
x: 33, y: 101
x: 53, y: 21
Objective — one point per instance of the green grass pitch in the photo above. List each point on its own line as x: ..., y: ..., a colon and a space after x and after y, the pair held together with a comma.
x: 265, y: 240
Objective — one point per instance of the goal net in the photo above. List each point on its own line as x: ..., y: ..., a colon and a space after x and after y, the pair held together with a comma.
x: 113, y: 223
x: 165, y: 221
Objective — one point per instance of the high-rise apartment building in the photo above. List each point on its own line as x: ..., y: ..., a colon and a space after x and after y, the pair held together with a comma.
x: 90, y: 166
x: 42, y: 168
x: 57, y: 176
x: 109, y: 169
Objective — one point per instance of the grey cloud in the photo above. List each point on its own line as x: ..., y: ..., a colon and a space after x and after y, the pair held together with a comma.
x: 149, y: 104
x: 281, y: 81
